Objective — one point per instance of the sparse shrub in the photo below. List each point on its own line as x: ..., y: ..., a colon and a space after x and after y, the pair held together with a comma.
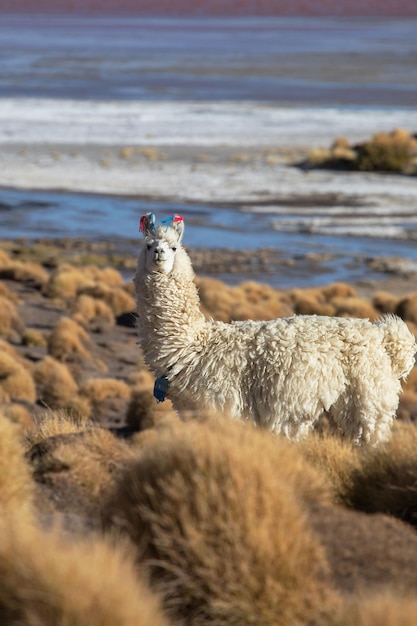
x: 143, y: 412
x: 6, y: 293
x: 69, y: 342
x: 386, y: 480
x: 407, y: 308
x: 354, y: 307
x: 55, y: 384
x: 385, y: 608
x: 117, y: 298
x: 16, y: 383
x: 51, y: 424
x: 385, y: 302
x: 99, y: 389
x: 33, y: 337
x: 336, y: 457
x: 88, y: 310
x: 45, y: 580
x: 217, y: 517
x: 16, y: 484
x: 25, y: 272
x: 384, y: 153
x: 10, y: 323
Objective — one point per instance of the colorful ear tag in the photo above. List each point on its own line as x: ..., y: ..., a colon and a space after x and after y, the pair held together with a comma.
x: 172, y: 219
x: 147, y: 221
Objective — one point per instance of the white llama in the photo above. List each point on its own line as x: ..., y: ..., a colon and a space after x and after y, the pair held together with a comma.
x: 282, y: 374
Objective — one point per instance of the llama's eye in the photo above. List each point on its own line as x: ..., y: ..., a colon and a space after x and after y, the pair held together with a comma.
x: 173, y: 249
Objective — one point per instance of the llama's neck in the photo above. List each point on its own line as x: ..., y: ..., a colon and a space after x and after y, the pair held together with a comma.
x: 170, y: 321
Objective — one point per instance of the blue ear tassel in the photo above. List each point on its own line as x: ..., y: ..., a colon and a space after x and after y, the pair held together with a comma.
x: 169, y: 221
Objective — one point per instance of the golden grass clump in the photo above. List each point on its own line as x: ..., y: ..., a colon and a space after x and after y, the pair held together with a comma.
x: 385, y: 607
x: 33, y: 337
x: 407, y: 308
x: 55, y: 384
x: 217, y: 513
x: 16, y: 484
x: 250, y: 300
x: 320, y: 300
x: 66, y: 280
x: 79, y: 469
x: 69, y: 342
x: 10, y: 323
x: 51, y: 424
x: 117, y: 298
x: 144, y: 412
x: 336, y: 457
x: 16, y: 383
x: 385, y: 302
x: 386, y: 152
x: 216, y: 298
x: 27, y: 272
x: 386, y: 480
x: 47, y: 581
x: 99, y: 389
x: 6, y: 293
x: 354, y: 307
x: 88, y: 310
x: 18, y: 414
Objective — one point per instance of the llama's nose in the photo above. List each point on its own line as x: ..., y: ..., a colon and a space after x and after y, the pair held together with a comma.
x: 158, y: 254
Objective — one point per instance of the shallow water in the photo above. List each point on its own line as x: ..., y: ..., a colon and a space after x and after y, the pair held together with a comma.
x: 27, y: 214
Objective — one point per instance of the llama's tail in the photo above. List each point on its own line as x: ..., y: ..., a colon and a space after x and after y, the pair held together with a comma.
x: 400, y: 344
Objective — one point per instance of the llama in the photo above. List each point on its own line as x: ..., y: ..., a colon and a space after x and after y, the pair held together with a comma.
x: 281, y: 374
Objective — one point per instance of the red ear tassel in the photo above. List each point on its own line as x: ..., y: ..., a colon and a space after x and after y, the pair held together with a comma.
x: 142, y: 223
x: 177, y: 218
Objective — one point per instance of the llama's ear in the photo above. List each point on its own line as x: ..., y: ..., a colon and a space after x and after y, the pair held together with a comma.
x: 178, y: 226
x: 147, y: 224
x: 176, y: 223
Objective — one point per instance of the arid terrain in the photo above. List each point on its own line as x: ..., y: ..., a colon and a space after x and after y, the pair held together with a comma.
x: 117, y: 511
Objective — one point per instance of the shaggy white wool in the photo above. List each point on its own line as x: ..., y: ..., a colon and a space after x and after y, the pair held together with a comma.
x: 282, y: 374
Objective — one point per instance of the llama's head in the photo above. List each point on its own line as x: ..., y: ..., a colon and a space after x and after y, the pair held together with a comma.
x: 161, y: 242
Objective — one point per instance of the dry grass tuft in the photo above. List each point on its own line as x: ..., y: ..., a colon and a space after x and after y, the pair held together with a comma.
x: 11, y: 326
x: 55, y: 385
x: 66, y: 280
x: 143, y: 412
x: 99, y: 389
x: 384, y: 608
x: 385, y: 302
x: 69, y: 342
x: 386, y: 480
x: 88, y: 310
x: 15, y: 381
x: 117, y: 298
x: 216, y: 512
x: 75, y: 471
x: 384, y: 152
x: 30, y: 273
x: 354, y: 307
x: 46, y: 581
x: 51, y: 424
x: 407, y: 308
x: 250, y: 300
x: 16, y: 484
x: 337, y: 458
x: 6, y: 293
